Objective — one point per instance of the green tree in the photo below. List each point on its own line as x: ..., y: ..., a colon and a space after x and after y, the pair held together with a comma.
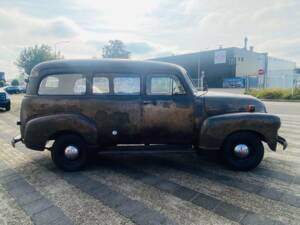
x: 115, y: 49
x: 31, y: 56
x: 15, y: 82
x: 2, y: 83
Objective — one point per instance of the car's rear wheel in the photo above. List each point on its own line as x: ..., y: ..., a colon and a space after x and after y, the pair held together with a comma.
x: 69, y: 152
x: 243, y: 151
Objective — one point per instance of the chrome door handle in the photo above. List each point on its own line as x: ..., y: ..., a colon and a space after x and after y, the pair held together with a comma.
x: 148, y: 102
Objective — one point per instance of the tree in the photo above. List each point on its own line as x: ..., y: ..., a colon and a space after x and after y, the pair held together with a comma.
x: 2, y: 83
x: 31, y: 56
x: 115, y: 49
x: 15, y: 82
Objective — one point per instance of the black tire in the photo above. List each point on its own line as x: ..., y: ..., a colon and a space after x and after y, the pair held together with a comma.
x: 7, y: 107
x: 249, y: 162
x: 58, y: 155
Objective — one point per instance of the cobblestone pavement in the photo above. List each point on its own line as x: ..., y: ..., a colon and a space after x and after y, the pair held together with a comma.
x: 149, y: 189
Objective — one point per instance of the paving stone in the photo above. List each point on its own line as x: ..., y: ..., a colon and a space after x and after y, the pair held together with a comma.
x: 6, y: 172
x: 150, y: 180
x: 230, y: 211
x: 62, y: 221
x: 151, y: 217
x: 270, y: 193
x: 28, y: 198
x: 205, y: 201
x: 167, y: 186
x: 89, y: 184
x: 185, y: 193
x: 47, y: 216
x: 99, y: 192
x: 255, y: 219
x: 291, y: 200
x: 113, y: 199
x: 18, y: 191
x: 37, y: 206
x: 9, y: 178
x: 130, y: 208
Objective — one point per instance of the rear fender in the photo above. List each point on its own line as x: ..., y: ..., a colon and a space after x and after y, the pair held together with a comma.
x: 39, y: 130
x: 215, y: 129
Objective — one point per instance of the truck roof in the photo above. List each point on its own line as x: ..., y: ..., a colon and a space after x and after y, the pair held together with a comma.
x: 106, y: 65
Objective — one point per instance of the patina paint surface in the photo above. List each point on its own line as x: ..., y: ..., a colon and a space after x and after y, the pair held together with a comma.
x: 203, y: 120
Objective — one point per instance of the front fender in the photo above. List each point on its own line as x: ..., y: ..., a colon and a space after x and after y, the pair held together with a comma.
x: 215, y: 129
x: 38, y: 130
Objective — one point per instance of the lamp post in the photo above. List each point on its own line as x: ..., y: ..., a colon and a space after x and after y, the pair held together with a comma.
x: 55, y: 46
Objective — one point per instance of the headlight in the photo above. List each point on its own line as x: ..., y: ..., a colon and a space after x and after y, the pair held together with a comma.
x: 7, y: 95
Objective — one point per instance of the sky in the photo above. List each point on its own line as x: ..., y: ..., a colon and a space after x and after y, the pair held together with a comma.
x: 149, y: 28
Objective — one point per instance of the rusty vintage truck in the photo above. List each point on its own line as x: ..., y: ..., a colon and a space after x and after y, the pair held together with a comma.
x: 86, y: 105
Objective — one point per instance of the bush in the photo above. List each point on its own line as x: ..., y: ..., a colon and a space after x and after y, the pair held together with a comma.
x: 2, y: 83
x: 15, y: 82
x: 274, y: 93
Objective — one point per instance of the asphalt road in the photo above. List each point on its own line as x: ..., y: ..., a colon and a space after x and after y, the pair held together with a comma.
x: 151, y: 189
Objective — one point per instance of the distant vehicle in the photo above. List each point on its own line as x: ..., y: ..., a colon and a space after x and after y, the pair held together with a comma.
x: 4, y: 100
x: 22, y: 89
x: 87, y: 105
x: 233, y: 83
x: 13, y: 89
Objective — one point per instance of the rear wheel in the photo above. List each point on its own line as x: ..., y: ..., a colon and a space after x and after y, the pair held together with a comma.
x: 243, y: 151
x: 69, y: 152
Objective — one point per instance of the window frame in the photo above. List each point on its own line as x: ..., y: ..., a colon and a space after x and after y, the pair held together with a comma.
x: 61, y: 74
x: 124, y: 75
x: 172, y: 76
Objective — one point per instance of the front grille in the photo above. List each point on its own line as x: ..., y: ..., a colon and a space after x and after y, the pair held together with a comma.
x: 2, y: 96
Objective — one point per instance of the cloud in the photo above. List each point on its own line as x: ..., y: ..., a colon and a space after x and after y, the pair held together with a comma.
x: 148, y: 28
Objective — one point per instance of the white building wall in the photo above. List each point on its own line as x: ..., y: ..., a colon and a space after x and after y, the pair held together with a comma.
x: 281, y: 73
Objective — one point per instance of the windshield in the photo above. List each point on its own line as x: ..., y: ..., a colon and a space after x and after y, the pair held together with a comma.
x: 189, y: 81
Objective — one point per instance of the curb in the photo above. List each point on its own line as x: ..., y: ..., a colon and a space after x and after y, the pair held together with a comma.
x: 279, y: 100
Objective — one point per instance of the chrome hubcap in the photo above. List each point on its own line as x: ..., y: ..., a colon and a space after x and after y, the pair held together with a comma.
x: 71, y: 152
x: 241, y: 150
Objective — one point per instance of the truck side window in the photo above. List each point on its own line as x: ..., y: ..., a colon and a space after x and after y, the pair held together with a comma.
x: 100, y: 85
x: 127, y: 85
x: 164, y: 85
x: 63, y: 84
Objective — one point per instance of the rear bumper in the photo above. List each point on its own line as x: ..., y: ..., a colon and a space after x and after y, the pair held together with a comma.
x: 282, y: 141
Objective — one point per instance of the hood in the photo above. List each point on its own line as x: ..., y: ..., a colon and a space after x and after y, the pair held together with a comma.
x: 216, y: 103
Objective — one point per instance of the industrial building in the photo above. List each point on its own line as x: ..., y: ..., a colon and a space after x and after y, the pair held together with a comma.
x: 236, y: 67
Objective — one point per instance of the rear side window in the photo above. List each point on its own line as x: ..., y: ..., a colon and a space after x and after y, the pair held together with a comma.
x: 100, y: 85
x: 127, y: 85
x: 63, y: 84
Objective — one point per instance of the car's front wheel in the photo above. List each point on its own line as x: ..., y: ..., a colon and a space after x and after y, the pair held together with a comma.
x: 69, y: 152
x: 243, y: 151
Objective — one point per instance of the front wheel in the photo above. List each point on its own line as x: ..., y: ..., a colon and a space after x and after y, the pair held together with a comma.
x: 69, y: 152
x: 243, y: 151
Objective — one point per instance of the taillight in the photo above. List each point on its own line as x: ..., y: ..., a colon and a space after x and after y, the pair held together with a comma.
x: 251, y: 108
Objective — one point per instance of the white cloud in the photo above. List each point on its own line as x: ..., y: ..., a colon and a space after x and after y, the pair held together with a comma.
x: 149, y: 28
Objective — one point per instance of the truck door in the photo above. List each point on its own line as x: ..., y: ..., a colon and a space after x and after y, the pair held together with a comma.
x: 167, y: 114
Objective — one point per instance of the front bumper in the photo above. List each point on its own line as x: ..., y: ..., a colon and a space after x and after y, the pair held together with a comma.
x: 282, y: 141
x: 16, y: 139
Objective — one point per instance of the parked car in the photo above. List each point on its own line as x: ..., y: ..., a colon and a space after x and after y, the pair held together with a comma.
x: 12, y: 89
x: 84, y: 105
x: 4, y: 100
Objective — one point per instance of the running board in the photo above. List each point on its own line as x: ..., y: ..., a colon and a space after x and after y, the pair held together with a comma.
x: 141, y: 149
